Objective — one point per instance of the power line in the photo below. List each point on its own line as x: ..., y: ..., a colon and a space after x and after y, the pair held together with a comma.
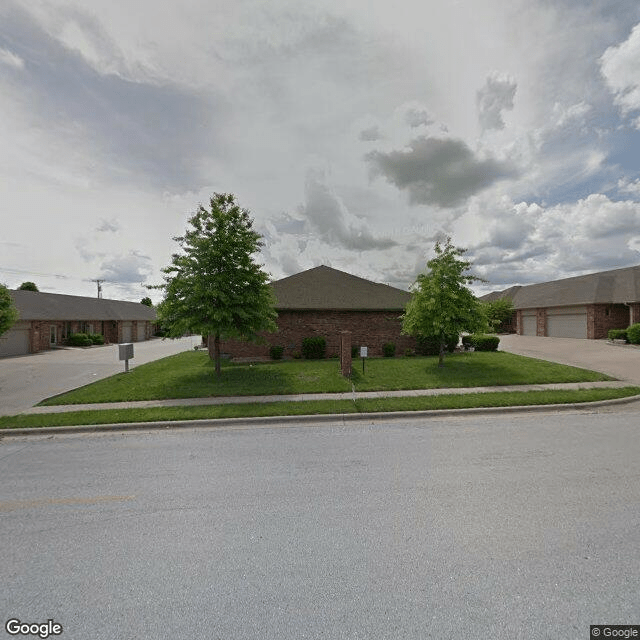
x: 34, y: 273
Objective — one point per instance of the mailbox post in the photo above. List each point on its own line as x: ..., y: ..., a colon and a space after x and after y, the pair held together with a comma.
x: 125, y: 351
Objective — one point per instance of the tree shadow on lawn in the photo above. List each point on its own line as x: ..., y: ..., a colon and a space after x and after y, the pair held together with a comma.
x: 270, y: 378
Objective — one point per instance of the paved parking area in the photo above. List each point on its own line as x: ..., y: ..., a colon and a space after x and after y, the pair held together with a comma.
x: 620, y: 361
x: 27, y: 380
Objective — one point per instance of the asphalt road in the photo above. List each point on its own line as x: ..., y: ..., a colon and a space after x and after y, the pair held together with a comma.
x: 522, y: 526
x: 27, y: 380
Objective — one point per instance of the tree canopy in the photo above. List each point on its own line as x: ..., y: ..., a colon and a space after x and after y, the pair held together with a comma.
x: 214, y: 286
x: 146, y: 301
x: 8, y: 311
x: 497, y: 312
x: 441, y: 304
x: 28, y: 286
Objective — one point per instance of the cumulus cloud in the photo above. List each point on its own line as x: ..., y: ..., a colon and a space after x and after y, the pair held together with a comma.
x: 370, y: 134
x: 546, y: 243
x: 330, y: 219
x: 619, y: 66
x: 416, y: 116
x: 439, y: 171
x: 496, y: 96
x: 629, y: 186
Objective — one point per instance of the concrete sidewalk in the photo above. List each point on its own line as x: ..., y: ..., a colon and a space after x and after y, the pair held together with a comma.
x: 302, y: 397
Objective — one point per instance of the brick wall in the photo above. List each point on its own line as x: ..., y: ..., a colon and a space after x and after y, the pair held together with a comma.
x: 602, y: 317
x: 368, y: 328
x: 541, y: 322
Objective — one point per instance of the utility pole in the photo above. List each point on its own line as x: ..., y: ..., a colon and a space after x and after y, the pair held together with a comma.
x: 99, y: 287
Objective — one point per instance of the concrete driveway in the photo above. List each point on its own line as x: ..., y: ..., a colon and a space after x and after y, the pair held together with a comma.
x: 27, y: 380
x: 619, y: 361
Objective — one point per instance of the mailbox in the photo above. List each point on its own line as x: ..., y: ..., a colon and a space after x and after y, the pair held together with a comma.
x: 126, y: 353
x: 126, y: 350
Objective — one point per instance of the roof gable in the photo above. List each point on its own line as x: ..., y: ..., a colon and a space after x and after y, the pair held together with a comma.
x: 323, y: 288
x: 36, y: 305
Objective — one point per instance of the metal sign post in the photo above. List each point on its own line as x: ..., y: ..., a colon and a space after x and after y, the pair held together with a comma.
x: 363, y: 355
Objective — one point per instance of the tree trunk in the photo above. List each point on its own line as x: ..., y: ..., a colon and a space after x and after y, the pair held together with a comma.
x: 441, y: 354
x: 216, y: 352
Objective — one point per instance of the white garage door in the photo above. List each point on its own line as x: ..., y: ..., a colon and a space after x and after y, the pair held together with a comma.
x: 568, y: 322
x: 529, y: 325
x: 126, y: 332
x: 15, y: 342
x: 142, y: 334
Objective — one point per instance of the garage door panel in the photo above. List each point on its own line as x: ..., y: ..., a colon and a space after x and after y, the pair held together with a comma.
x: 529, y: 325
x: 126, y: 332
x: 572, y: 325
x: 141, y: 331
x: 15, y: 342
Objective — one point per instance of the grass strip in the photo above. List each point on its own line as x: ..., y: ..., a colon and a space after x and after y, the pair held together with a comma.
x: 191, y: 375
x: 464, y: 401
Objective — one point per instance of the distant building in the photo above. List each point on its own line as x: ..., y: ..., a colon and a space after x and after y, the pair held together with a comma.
x: 323, y: 302
x: 47, y: 319
x: 580, y: 307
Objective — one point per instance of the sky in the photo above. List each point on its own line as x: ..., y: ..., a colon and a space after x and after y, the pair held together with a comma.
x: 357, y: 133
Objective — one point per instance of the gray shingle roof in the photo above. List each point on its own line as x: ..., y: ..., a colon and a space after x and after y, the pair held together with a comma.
x: 36, y: 305
x: 323, y: 288
x: 606, y: 287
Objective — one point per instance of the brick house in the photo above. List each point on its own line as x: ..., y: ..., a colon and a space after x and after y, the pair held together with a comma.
x: 323, y: 302
x: 47, y: 319
x: 580, y: 307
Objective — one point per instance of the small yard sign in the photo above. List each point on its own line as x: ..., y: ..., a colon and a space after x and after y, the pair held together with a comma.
x: 363, y: 355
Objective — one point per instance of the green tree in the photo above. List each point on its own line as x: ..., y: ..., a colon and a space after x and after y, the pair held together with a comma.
x: 28, y: 286
x: 146, y: 301
x: 497, y: 312
x: 441, y: 304
x: 8, y: 311
x: 214, y: 286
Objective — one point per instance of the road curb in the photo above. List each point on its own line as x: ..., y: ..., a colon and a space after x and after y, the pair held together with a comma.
x: 269, y: 421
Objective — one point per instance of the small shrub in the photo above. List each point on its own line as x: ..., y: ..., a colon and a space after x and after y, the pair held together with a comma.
x: 276, y: 351
x: 314, y: 348
x: 296, y: 355
x: 79, y: 340
x: 483, y: 342
x: 430, y: 345
x: 96, y: 338
x: 617, y: 334
x: 633, y: 333
x: 389, y: 349
x: 409, y: 353
x: 355, y: 351
x: 467, y: 341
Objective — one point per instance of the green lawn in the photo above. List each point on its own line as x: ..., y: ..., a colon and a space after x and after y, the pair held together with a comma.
x: 472, y: 369
x: 191, y: 375
x: 167, y: 414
